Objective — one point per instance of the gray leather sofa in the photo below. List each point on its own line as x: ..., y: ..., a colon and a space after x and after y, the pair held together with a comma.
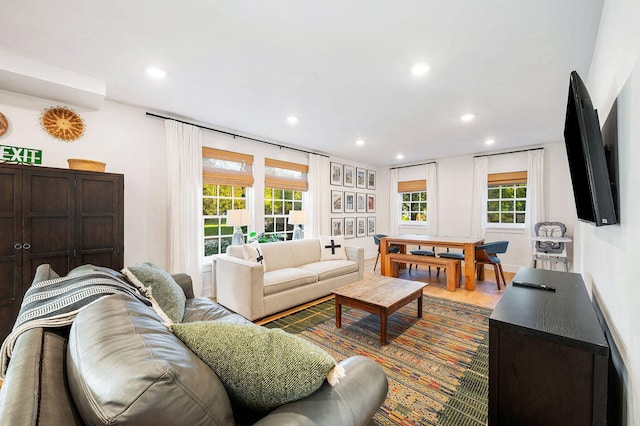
x: 117, y: 364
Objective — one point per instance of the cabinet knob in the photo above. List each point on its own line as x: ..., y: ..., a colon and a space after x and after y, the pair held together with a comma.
x: 17, y: 246
x: 26, y: 246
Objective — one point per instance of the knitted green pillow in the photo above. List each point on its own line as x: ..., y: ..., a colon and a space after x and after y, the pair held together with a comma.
x: 166, y: 296
x: 260, y: 368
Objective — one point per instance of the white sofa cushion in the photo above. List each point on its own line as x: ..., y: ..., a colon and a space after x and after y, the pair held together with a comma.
x: 327, y: 269
x: 287, y: 278
x: 332, y: 248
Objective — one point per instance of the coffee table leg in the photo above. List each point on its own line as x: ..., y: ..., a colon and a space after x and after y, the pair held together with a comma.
x: 383, y: 328
x: 338, y: 312
x: 420, y: 306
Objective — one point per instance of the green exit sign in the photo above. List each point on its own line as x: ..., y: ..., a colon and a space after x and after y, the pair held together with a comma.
x: 14, y: 154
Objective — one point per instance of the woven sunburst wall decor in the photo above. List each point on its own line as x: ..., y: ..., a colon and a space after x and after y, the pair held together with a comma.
x: 62, y: 123
x: 4, y: 124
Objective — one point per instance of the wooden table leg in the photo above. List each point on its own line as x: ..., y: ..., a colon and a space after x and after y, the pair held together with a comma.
x: 338, y: 304
x: 420, y: 306
x: 383, y: 328
x: 470, y: 267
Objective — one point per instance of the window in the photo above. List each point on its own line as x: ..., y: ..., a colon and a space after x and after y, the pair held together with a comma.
x: 216, y: 200
x: 225, y: 176
x: 285, y: 184
x: 413, y: 201
x: 507, y: 198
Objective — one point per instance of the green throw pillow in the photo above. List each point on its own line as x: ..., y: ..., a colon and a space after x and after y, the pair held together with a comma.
x: 260, y: 368
x: 166, y: 296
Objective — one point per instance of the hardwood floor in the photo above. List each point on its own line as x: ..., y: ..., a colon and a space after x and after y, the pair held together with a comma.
x: 486, y: 293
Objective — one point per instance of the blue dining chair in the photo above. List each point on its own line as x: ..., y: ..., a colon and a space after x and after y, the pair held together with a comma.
x: 421, y: 252
x: 450, y: 255
x: 488, y: 254
x: 392, y: 248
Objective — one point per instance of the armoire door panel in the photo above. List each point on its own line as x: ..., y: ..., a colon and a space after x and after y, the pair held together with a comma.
x: 97, y: 233
x: 50, y: 235
x: 8, y: 315
x: 97, y: 195
x: 48, y: 193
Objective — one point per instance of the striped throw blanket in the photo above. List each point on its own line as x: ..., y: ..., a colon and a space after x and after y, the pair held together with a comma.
x: 56, y: 303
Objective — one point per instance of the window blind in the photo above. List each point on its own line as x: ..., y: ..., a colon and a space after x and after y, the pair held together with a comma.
x: 285, y: 175
x: 221, y: 167
x: 510, y: 178
x: 412, y: 185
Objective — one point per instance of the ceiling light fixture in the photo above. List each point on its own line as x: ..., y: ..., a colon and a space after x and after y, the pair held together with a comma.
x: 420, y: 69
x: 156, y: 73
x: 489, y: 142
x: 400, y: 156
x: 292, y: 119
x: 467, y: 117
x: 359, y: 142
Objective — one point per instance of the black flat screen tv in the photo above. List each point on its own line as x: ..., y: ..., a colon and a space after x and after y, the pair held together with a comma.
x: 587, y: 161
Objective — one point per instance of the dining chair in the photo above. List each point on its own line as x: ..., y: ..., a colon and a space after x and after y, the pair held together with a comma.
x: 488, y: 254
x: 450, y: 255
x: 392, y: 248
x: 550, y: 251
x: 421, y: 252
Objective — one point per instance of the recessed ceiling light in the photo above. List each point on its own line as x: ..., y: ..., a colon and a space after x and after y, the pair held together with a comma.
x: 420, y: 69
x: 359, y: 142
x: 489, y: 141
x: 292, y: 119
x: 467, y: 117
x: 156, y: 73
x: 400, y: 156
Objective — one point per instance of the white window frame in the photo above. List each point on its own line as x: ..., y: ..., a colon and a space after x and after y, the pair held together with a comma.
x: 237, y: 202
x: 282, y: 217
x: 501, y: 225
x: 400, y: 211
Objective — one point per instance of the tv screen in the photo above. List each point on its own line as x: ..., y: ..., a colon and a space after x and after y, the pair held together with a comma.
x: 586, y: 153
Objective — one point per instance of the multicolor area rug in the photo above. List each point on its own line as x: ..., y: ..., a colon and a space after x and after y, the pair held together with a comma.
x: 437, y: 366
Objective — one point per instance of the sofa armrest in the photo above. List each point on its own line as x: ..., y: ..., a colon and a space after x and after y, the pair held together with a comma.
x: 240, y: 286
x: 357, y: 255
x: 184, y: 281
x: 353, y: 401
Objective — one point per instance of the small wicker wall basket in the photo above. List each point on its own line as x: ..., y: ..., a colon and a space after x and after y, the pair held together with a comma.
x: 87, y: 165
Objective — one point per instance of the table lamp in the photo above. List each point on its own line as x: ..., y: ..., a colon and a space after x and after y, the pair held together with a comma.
x: 297, y: 218
x: 237, y: 219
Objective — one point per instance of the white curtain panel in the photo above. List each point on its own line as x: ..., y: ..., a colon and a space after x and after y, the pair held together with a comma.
x: 394, y: 210
x: 479, y: 202
x: 184, y: 172
x: 317, y: 201
x: 535, y: 211
x: 432, y: 199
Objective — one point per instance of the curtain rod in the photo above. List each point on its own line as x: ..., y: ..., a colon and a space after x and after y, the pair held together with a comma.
x: 413, y: 165
x: 510, y: 152
x: 150, y: 114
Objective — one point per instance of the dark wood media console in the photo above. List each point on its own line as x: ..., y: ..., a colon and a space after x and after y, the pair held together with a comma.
x: 547, y: 354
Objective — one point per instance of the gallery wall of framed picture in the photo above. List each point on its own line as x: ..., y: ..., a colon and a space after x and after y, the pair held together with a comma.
x: 353, y: 191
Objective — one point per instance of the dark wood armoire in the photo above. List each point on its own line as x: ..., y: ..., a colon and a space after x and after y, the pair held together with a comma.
x: 58, y: 216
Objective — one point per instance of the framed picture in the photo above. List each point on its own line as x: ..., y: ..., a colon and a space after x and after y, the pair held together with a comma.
x: 361, y: 202
x: 371, y: 225
x: 371, y: 179
x: 349, y: 227
x: 349, y: 177
x: 349, y: 202
x: 336, y: 226
x: 336, y: 174
x: 371, y: 203
x: 361, y: 227
x: 361, y: 178
x: 336, y: 201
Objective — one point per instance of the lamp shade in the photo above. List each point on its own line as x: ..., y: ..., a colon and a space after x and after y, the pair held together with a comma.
x: 297, y: 217
x: 239, y: 217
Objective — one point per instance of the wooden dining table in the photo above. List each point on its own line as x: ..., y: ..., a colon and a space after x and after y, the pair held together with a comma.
x: 467, y: 244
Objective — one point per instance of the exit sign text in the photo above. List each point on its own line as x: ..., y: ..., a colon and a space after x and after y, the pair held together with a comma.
x: 14, y: 154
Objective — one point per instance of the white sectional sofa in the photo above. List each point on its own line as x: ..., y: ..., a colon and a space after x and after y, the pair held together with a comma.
x: 291, y: 273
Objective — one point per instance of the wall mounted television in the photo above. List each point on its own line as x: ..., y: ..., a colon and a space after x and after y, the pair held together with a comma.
x: 592, y: 187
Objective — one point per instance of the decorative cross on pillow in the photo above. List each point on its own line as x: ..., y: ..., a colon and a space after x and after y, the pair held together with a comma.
x: 333, y: 246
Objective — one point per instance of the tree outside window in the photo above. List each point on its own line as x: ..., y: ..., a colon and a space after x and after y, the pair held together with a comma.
x: 506, y: 204
x: 216, y: 200
x: 413, y: 207
x: 277, y: 204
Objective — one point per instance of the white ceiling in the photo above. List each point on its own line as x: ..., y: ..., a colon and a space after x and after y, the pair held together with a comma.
x: 341, y: 66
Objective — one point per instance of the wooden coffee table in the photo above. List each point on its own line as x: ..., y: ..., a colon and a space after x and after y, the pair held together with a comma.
x: 379, y: 295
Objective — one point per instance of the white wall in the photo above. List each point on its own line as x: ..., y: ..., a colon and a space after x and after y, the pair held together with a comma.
x: 124, y: 138
x: 608, y: 255
x: 455, y: 187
